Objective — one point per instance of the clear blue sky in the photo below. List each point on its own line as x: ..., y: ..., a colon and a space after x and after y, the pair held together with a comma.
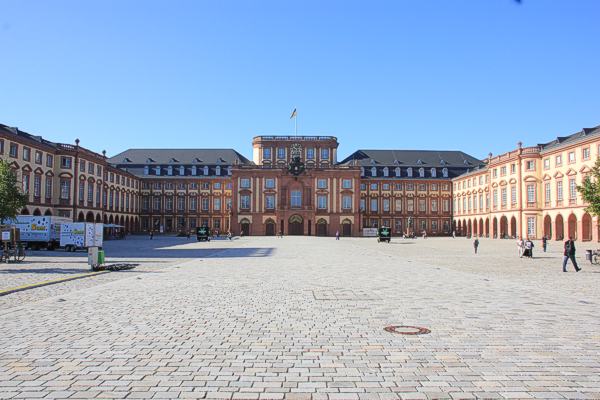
x: 473, y: 75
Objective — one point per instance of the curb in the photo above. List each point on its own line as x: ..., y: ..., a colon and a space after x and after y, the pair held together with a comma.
x: 47, y: 283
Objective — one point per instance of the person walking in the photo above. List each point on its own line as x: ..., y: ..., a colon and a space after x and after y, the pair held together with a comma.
x: 453, y: 234
x: 151, y: 235
x: 337, y: 235
x: 544, y: 243
x: 475, y: 244
x: 229, y: 235
x: 569, y: 254
x: 528, y: 248
x: 520, y: 246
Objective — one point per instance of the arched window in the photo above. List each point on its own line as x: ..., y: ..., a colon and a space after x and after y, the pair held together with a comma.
x: 422, y: 172
x: 433, y: 173
x: 229, y: 170
x: 445, y: 172
x: 194, y: 170
x: 386, y: 171
x: 205, y: 170
x: 397, y: 171
x: 157, y: 170
x: 146, y: 170
x: 182, y: 170
x: 218, y: 170
x: 409, y: 172
x: 170, y: 170
x: 373, y: 171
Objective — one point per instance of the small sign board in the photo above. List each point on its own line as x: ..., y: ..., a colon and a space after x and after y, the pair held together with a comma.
x: 6, y: 236
x: 369, y: 232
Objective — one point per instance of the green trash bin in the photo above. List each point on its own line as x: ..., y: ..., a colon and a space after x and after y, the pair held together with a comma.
x: 100, y: 257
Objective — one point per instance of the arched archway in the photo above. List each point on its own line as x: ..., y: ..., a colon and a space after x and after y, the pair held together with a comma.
x: 37, y: 212
x: 245, y: 227
x: 586, y: 227
x: 296, y: 225
x: 503, y: 227
x: 559, y: 227
x: 495, y: 227
x: 459, y: 227
x: 346, y: 227
x: 270, y: 227
x: 321, y: 227
x: 89, y: 217
x: 98, y: 219
x: 111, y: 220
x: 481, y: 231
x: 487, y: 227
x: 572, y: 226
x: 80, y: 217
x: 469, y: 227
x: 105, y: 219
x: 513, y: 227
x: 24, y: 211
x: 548, y: 227
x: 48, y: 213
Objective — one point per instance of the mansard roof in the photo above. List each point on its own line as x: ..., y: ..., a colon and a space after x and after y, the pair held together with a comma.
x: 411, y: 158
x: 179, y: 157
x: 17, y: 132
x: 567, y: 140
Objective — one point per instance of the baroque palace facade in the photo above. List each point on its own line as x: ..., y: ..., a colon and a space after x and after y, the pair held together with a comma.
x: 296, y: 185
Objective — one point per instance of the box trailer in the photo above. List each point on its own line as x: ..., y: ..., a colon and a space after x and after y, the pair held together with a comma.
x: 39, y: 232
x: 81, y: 235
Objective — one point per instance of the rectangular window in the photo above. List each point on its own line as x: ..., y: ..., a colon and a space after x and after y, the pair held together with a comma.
x: 217, y: 204
x: 324, y: 154
x: 26, y: 154
x: 495, y: 200
x: 410, y: 186
x: 434, y: 206
x: 546, y: 163
x: 145, y: 203
x: 397, y: 186
x: 363, y: 186
x: 363, y: 204
x: 267, y: 153
x: 228, y: 203
x: 65, y: 162
x: 281, y: 153
x: 503, y: 170
x: 373, y: 186
x: 398, y: 205
x: 559, y: 191
x: 346, y: 202
x: 269, y: 183
x: 1, y: 146
x: 98, y: 170
x: 495, y: 172
x: 81, y: 165
x: 547, y: 194
x: 434, y: 226
x: 531, y: 226
x: 423, y: 205
x: 245, y: 183
x: 204, y: 203
x: 65, y: 189
x: 37, y: 185
x: 513, y: 195
x: 571, y: 157
x: 572, y: 189
x: 91, y: 168
x: 446, y: 205
x: 90, y: 197
x: 422, y: 187
x: 322, y: 202
x: 374, y: 205
x: 386, y: 205
x: 217, y: 186
x: 310, y: 154
x: 513, y: 168
x: 398, y: 225
x: 155, y: 203
x: 530, y: 165
x: 270, y: 202
x: 385, y: 186
x: 48, y: 187
x: 503, y: 197
x: 410, y: 205
x: 25, y: 183
x: 558, y: 160
x: 38, y: 157
x: 321, y: 183
x: 530, y: 193
x: 13, y: 150
x: 296, y: 199
x: 585, y: 153
x: 193, y: 203
x: 480, y: 202
x: 346, y: 183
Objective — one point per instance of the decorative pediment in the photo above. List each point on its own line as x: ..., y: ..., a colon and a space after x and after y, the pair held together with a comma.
x: 480, y: 190
x: 49, y: 173
x: 585, y: 169
x: 530, y: 178
x: 65, y: 175
x: 571, y: 172
x: 38, y: 171
x: 558, y: 174
x: 14, y: 165
x: 494, y: 185
x: 503, y: 182
x: 546, y: 177
x: 91, y: 179
x: 512, y: 181
x: 82, y: 177
x: 26, y: 168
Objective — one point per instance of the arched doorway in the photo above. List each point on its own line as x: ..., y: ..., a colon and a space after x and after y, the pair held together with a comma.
x: 89, y: 217
x: 459, y: 230
x: 270, y: 227
x: 572, y: 226
x: 513, y: 227
x: 475, y: 227
x: 245, y: 227
x: 495, y: 227
x: 586, y: 227
x: 321, y: 227
x: 481, y: 232
x: 98, y: 219
x: 37, y: 212
x: 110, y: 220
x: 24, y: 211
x: 346, y: 227
x: 487, y: 227
x: 469, y: 228
x: 560, y: 227
x: 503, y: 227
x: 80, y: 217
x: 105, y: 219
x: 296, y: 225
x: 548, y: 227
x: 48, y: 213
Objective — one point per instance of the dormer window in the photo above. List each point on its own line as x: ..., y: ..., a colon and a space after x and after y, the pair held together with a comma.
x: 396, y: 162
x: 386, y: 171
x: 205, y: 170
x: 182, y: 170
x: 433, y: 173
x: 157, y: 170
x: 422, y: 172
x: 445, y: 172
x: 229, y: 170
x: 397, y: 171
x: 170, y: 170
x: 149, y: 160
x: 218, y: 170
x: 373, y: 171
x: 443, y: 162
x: 194, y: 170
x: 362, y: 171
x: 466, y: 162
x: 372, y: 161
x: 146, y: 170
x: 419, y: 162
x: 409, y: 172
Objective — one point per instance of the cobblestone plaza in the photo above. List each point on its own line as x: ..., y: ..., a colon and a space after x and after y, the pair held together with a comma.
x: 262, y: 317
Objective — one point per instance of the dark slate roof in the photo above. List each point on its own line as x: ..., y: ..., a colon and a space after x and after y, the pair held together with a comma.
x: 566, y: 140
x: 178, y: 157
x: 16, y: 131
x: 411, y: 158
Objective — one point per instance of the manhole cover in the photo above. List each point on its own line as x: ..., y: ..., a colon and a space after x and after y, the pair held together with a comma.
x: 406, y: 330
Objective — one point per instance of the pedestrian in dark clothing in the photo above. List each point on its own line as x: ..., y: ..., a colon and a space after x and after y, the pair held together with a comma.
x: 544, y: 243
x: 529, y: 248
x: 570, y: 255
x: 337, y: 235
x: 475, y: 244
x: 151, y: 235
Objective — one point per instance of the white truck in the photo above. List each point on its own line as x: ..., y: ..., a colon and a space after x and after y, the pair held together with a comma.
x: 81, y: 235
x: 39, y: 232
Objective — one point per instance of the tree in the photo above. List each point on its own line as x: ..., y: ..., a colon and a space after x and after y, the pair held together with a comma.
x: 590, y: 190
x: 11, y: 199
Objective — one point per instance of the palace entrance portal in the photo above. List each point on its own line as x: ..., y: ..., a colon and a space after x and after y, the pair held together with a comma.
x: 296, y: 225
